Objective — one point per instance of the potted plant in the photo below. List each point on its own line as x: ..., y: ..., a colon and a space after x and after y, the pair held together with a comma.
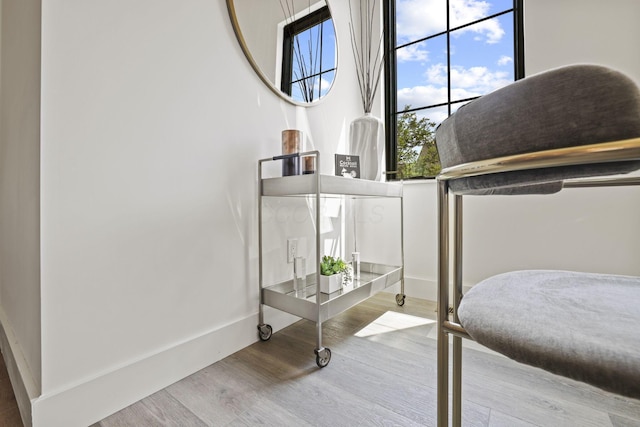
x: 333, y: 273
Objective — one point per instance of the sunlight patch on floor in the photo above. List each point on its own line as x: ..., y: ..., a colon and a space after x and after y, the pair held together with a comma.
x: 392, y: 321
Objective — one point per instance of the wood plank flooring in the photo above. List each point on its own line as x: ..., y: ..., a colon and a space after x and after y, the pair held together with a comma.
x: 9, y: 412
x: 382, y: 372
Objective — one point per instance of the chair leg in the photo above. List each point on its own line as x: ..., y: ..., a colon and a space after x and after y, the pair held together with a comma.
x: 456, y: 417
x: 457, y: 297
x: 443, y: 379
x: 443, y: 305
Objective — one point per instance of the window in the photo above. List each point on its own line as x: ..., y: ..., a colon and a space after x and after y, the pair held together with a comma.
x: 308, y: 56
x: 442, y: 55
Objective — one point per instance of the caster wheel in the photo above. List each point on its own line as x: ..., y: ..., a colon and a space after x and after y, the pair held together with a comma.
x: 323, y: 357
x: 400, y: 299
x: 264, y: 332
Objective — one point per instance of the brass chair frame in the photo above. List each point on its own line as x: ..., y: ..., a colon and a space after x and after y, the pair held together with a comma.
x: 450, y: 244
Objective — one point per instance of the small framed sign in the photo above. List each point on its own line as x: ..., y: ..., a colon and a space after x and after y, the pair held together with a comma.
x: 348, y: 165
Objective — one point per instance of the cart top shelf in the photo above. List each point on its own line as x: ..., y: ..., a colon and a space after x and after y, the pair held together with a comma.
x: 303, y: 185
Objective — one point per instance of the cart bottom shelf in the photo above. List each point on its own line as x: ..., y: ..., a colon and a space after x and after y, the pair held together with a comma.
x: 304, y: 303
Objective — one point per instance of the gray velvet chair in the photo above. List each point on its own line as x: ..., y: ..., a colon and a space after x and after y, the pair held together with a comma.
x: 538, y: 135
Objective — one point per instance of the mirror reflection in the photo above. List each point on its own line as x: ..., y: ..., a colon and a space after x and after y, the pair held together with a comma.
x: 290, y: 43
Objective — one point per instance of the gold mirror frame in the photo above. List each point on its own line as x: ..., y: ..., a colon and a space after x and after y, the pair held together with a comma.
x: 256, y: 67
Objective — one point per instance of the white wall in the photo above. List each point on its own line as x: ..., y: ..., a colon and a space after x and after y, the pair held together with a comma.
x: 19, y: 196
x: 571, y: 31
x: 506, y: 233
x: 152, y: 124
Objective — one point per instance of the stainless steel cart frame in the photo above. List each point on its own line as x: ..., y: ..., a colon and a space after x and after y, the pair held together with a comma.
x: 374, y: 277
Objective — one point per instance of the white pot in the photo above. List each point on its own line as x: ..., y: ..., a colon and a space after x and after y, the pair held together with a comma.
x: 366, y: 139
x: 330, y: 284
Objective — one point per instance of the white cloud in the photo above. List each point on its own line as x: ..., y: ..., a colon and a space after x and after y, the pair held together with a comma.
x: 465, y: 11
x: 477, y: 80
x: 436, y: 116
x: 325, y: 85
x: 491, y: 29
x: 465, y: 83
x: 419, y: 18
x: 414, y: 52
x: 505, y: 60
x: 422, y: 95
x: 437, y: 74
x: 429, y: 94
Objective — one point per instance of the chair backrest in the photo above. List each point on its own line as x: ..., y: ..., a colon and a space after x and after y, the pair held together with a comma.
x: 565, y: 107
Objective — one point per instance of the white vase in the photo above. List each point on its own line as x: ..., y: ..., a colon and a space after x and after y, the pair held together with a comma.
x: 366, y: 138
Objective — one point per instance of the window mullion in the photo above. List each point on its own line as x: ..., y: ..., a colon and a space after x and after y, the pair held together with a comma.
x: 421, y: 135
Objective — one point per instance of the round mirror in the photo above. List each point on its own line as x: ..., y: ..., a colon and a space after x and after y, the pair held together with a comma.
x: 291, y: 44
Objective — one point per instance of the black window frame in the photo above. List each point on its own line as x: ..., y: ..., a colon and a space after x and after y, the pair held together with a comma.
x: 390, y: 79
x: 290, y: 31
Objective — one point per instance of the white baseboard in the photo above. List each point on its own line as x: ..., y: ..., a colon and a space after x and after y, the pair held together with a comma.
x: 422, y: 288
x: 417, y: 288
x: 89, y: 401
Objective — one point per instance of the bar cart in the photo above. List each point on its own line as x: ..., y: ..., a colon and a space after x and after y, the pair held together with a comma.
x: 310, y: 303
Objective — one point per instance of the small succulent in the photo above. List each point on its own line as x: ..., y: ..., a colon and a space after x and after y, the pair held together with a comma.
x: 330, y: 265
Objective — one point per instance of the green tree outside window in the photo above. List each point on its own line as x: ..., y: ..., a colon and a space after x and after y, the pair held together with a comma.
x: 417, y: 152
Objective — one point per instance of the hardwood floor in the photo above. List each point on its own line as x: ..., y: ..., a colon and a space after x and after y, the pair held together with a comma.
x: 382, y: 372
x: 9, y: 413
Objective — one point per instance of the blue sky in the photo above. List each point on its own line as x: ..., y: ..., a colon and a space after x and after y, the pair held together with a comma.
x: 308, y: 38
x: 481, y: 55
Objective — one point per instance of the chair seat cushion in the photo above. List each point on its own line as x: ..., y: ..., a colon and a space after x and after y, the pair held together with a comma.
x: 583, y: 326
x: 564, y: 107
